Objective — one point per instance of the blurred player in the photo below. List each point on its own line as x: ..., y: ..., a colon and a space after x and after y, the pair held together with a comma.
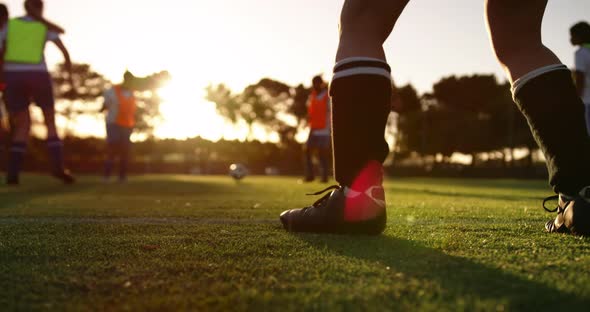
x: 27, y: 79
x: 319, y: 141
x: 120, y: 106
x: 580, y: 36
x: 3, y: 118
x: 361, y: 96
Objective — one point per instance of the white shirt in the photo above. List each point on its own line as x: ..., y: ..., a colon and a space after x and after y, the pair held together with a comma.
x: 16, y: 67
x: 111, y: 102
x: 582, y: 58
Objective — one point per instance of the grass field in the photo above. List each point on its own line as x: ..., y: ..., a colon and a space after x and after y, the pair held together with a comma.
x: 207, y: 243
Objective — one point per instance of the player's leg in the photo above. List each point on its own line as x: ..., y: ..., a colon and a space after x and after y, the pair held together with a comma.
x: 109, y: 162
x: 124, y: 153
x: 361, y: 95
x: 16, y: 96
x: 43, y: 96
x: 324, y: 154
x: 3, y: 137
x: 55, y: 147
x: 123, y: 162
x: 112, y: 150
x: 324, y: 157
x: 515, y: 32
x: 308, y: 160
x: 21, y: 122
x: 544, y: 92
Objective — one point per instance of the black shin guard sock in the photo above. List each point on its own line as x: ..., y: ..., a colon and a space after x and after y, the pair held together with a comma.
x: 55, y: 151
x: 555, y: 115
x: 360, y: 108
x: 15, y: 161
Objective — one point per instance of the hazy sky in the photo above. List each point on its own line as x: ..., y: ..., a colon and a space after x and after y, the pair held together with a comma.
x: 238, y: 42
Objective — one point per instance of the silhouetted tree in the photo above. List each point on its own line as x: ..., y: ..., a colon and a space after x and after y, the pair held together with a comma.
x: 469, y: 114
x: 271, y: 104
x: 406, y: 104
x: 73, y: 102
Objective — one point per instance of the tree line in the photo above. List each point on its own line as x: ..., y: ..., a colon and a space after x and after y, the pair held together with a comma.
x: 471, y: 115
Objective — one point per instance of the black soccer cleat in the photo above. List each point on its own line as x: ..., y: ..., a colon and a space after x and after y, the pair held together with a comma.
x: 327, y: 215
x: 65, y: 176
x: 573, y: 214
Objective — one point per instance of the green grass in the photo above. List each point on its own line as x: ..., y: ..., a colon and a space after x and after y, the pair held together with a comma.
x: 207, y: 243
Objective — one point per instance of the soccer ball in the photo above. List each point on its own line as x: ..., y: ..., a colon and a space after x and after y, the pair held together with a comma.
x: 238, y: 171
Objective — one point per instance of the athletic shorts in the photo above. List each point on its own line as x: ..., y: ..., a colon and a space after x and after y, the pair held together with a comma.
x: 23, y: 88
x: 318, y: 141
x: 118, y: 135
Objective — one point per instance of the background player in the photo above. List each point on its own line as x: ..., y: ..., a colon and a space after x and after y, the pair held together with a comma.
x: 120, y: 105
x: 580, y: 37
x: 320, y: 123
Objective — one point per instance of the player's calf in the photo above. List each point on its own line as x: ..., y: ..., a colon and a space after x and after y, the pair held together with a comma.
x: 361, y: 97
x: 547, y: 98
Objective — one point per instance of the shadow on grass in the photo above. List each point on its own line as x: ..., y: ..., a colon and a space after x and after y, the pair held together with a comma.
x: 27, y: 192
x: 474, y: 183
x: 460, y: 279
x: 465, y: 195
x: 174, y: 186
x: 34, y: 188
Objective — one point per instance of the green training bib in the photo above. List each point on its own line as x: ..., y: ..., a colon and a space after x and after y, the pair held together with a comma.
x: 25, y: 41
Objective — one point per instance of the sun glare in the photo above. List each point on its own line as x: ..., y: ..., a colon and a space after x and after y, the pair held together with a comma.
x: 187, y: 114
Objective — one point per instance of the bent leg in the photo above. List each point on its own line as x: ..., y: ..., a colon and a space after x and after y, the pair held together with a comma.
x: 515, y: 33
x: 54, y: 143
x: 543, y: 90
x: 365, y: 25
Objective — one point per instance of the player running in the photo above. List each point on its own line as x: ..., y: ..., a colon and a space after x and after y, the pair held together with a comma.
x: 361, y: 94
x: 4, y: 124
x: 27, y: 79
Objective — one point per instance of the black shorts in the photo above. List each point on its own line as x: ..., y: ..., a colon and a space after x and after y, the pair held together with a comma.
x: 22, y: 88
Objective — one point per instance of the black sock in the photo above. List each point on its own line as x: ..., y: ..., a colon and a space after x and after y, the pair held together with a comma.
x: 361, y: 102
x: 55, y: 151
x: 123, y: 164
x: 548, y: 99
x: 108, y: 167
x: 15, y: 160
